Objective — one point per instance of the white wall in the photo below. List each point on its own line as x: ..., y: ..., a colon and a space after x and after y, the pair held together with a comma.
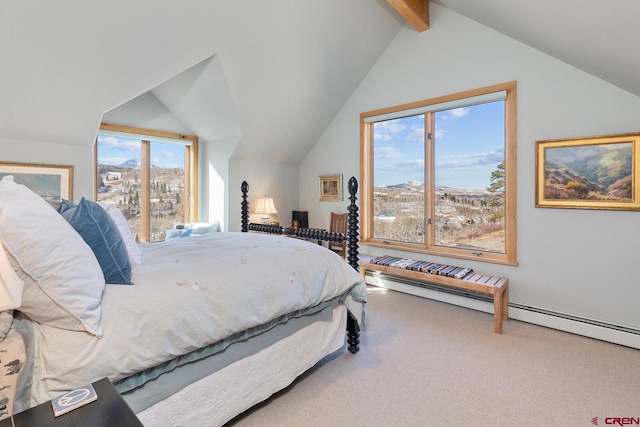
x: 278, y: 181
x: 80, y: 157
x: 579, y: 262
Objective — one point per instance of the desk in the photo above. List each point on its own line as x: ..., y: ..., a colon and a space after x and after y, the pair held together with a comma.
x: 110, y: 410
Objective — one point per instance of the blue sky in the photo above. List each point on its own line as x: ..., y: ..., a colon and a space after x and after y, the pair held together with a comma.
x: 469, y: 146
x: 115, y: 151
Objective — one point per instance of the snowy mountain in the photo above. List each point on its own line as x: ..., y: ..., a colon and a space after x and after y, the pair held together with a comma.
x: 130, y: 164
x: 134, y: 164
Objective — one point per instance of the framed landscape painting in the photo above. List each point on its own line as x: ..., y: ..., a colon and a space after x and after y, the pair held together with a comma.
x: 331, y: 188
x: 589, y: 173
x: 52, y: 182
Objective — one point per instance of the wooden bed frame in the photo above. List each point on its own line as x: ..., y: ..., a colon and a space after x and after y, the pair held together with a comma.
x: 353, y: 330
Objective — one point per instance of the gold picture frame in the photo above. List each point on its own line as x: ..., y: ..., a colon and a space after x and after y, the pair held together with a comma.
x: 330, y: 188
x: 589, y: 173
x: 51, y: 182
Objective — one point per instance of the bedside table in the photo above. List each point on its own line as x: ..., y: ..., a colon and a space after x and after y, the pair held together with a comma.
x: 110, y: 410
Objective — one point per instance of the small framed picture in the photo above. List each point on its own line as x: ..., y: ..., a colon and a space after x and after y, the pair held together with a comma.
x: 331, y: 188
x: 51, y: 182
x: 589, y: 173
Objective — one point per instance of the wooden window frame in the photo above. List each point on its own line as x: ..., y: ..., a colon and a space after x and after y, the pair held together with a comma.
x: 509, y: 257
x: 190, y: 172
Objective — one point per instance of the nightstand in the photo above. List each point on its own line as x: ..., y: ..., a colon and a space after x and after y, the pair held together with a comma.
x: 110, y: 410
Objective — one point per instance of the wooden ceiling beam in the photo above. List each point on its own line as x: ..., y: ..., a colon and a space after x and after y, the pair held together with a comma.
x: 416, y: 12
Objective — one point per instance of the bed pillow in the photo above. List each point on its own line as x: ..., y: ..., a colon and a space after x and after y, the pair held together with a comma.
x: 11, y: 285
x: 63, y: 282
x: 171, y: 234
x: 135, y: 256
x: 100, y: 232
x: 202, y: 229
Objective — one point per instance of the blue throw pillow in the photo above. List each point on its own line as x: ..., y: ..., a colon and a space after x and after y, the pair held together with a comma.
x: 101, y: 233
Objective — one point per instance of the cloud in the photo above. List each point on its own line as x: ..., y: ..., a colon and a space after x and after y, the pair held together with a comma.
x: 171, y: 159
x: 118, y: 143
x: 454, y: 113
x: 459, y: 112
x: 169, y: 154
x: 416, y: 134
x: 471, y: 160
x: 416, y: 165
x: 384, y: 131
x: 410, y: 165
x: 450, y: 115
x: 114, y: 161
x: 382, y: 137
x: 390, y: 126
x: 386, y: 153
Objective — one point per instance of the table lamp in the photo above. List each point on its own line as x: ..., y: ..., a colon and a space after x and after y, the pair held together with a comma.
x: 266, y: 208
x: 10, y: 284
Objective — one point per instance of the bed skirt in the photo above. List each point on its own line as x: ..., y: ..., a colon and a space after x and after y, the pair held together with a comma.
x: 222, y: 395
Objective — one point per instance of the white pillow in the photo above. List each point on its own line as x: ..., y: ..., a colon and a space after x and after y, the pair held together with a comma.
x: 11, y: 292
x: 63, y: 282
x: 203, y: 230
x: 132, y: 247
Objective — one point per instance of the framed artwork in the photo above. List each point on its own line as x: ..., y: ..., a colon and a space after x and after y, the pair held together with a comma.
x: 589, y: 173
x: 52, y: 182
x: 331, y: 188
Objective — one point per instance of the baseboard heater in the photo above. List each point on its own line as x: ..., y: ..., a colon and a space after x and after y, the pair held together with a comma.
x: 575, y: 324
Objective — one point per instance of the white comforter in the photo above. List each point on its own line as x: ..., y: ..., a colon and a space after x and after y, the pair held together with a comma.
x: 190, y: 293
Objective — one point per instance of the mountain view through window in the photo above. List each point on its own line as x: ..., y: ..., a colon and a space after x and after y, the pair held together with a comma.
x: 121, y: 167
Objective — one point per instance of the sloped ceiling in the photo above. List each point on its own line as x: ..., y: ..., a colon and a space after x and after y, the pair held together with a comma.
x: 597, y: 36
x: 200, y: 98
x: 280, y: 70
x: 288, y: 65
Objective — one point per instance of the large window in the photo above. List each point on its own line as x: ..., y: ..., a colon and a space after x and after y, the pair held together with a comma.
x: 438, y: 176
x: 150, y: 176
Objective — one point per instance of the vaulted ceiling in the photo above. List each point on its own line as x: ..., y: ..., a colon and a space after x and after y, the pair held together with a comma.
x: 278, y: 70
x: 597, y: 36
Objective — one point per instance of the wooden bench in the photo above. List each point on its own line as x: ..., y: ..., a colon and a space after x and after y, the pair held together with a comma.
x: 498, y: 287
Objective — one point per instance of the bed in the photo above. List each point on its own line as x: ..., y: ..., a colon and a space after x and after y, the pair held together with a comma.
x: 197, y: 328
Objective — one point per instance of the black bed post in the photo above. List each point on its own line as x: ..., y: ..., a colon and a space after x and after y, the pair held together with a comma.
x: 353, y: 330
x: 244, y: 207
x: 352, y: 225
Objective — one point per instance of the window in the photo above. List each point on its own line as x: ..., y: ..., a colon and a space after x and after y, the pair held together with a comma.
x: 438, y: 176
x: 150, y: 176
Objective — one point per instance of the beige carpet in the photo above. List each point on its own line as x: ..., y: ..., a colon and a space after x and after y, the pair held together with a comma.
x: 428, y: 363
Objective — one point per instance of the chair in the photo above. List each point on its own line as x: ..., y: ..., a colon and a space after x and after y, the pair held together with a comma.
x: 338, y: 224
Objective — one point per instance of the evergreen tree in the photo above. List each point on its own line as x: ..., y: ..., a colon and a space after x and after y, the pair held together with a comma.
x: 497, y: 187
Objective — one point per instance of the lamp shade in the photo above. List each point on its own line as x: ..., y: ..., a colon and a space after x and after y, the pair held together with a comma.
x: 10, y: 284
x: 266, y: 206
